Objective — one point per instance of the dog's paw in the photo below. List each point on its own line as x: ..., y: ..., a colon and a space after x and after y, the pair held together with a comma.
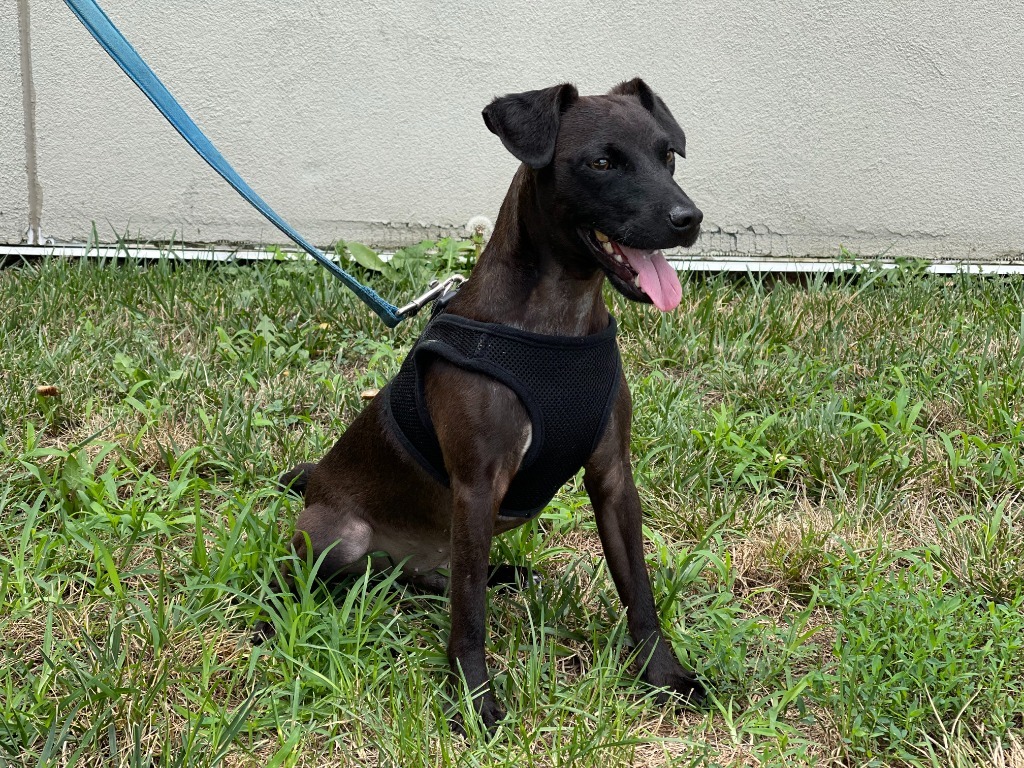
x: 262, y: 631
x: 677, y: 684
x: 512, y: 577
x: 489, y: 712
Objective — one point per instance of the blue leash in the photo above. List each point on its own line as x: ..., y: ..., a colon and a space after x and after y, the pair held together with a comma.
x: 121, y: 51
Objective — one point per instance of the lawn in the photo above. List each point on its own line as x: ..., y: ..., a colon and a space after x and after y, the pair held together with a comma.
x: 833, y: 480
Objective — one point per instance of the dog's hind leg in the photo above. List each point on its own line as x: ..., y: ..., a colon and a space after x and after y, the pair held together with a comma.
x: 511, y: 577
x: 514, y: 578
x: 338, y: 541
x: 293, y: 481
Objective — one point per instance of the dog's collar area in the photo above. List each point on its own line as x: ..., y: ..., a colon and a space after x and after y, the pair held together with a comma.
x: 438, y: 291
x: 540, y: 340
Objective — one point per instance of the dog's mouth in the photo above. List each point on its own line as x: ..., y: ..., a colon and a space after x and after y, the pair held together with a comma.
x: 638, y: 274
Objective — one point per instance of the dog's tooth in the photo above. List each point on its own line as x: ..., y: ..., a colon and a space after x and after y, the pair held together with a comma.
x: 608, y: 249
x: 618, y: 258
x: 636, y: 281
x: 601, y: 236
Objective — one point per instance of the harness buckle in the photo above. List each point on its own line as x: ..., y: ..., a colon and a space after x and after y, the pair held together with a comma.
x: 435, y: 289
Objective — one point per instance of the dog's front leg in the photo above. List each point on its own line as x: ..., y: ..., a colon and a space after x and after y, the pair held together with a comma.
x: 608, y: 479
x: 472, y: 528
x: 483, y: 431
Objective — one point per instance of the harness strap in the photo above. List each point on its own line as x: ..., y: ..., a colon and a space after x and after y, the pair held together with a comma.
x: 121, y: 51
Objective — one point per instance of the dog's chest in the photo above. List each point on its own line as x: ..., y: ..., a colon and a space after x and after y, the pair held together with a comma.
x: 567, y: 386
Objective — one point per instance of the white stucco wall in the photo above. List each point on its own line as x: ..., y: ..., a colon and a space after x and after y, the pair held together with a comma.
x: 877, y: 126
x: 13, y: 181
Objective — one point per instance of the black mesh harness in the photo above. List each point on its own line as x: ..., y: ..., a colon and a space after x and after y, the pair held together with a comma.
x: 566, y: 383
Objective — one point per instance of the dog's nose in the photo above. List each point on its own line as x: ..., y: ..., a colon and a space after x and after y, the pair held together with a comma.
x: 683, y: 217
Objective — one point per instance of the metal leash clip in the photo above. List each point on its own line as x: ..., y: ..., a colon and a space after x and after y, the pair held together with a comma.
x: 434, y: 290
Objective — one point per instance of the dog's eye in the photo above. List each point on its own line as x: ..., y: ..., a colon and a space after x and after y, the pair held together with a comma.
x: 601, y: 164
x: 670, y: 159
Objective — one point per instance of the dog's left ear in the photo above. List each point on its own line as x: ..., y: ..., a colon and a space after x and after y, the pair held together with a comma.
x: 653, y: 104
x: 527, y: 123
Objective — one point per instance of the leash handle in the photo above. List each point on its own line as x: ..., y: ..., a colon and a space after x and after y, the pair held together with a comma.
x: 122, y: 52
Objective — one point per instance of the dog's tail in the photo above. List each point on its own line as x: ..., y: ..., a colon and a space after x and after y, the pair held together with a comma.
x: 295, y: 480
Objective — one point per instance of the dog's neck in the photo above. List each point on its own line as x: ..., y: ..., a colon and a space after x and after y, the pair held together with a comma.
x: 534, y: 274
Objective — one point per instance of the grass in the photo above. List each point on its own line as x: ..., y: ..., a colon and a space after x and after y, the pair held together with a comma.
x: 833, y: 476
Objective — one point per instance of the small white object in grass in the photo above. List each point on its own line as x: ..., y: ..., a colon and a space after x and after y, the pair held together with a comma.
x: 369, y: 394
x: 480, y: 225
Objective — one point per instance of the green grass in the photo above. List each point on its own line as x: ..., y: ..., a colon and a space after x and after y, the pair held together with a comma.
x: 833, y: 477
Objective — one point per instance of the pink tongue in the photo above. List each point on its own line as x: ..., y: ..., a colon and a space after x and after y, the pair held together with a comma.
x: 657, y: 279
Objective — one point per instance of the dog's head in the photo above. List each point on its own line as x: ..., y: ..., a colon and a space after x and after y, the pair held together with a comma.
x: 604, y: 168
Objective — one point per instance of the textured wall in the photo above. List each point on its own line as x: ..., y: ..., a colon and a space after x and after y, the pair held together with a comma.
x: 13, y: 181
x: 876, y: 126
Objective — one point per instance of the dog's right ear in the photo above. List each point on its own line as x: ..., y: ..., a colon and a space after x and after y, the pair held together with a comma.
x: 527, y: 123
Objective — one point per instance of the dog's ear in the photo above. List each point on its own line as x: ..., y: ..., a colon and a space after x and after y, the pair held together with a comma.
x: 653, y: 104
x: 527, y: 123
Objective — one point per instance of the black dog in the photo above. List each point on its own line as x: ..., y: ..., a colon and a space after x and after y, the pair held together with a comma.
x: 517, y: 384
